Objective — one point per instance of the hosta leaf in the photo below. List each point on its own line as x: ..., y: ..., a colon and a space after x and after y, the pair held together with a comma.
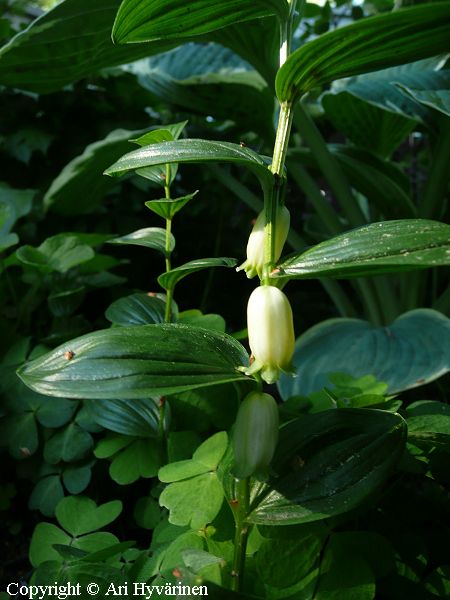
x: 328, y: 464
x: 413, y: 350
x: 375, y: 249
x: 438, y: 99
x: 194, y: 151
x: 80, y: 185
x: 368, y: 45
x: 385, y: 89
x: 171, y: 278
x: 59, y: 54
x: 142, y: 21
x: 150, y: 237
x: 135, y: 362
x: 209, y: 79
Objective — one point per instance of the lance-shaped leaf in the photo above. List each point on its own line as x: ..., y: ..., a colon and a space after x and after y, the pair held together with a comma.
x: 168, y: 208
x: 368, y: 45
x: 136, y: 362
x: 379, y: 248
x: 171, y: 278
x: 150, y: 237
x: 144, y: 20
x: 328, y: 464
x: 194, y: 151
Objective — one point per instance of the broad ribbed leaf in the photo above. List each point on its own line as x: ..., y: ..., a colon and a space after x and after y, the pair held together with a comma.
x: 65, y: 44
x: 150, y: 237
x: 437, y: 99
x: 367, y: 45
x: 386, y: 247
x: 80, y: 185
x: 136, y: 362
x: 383, y: 89
x: 345, y: 455
x: 171, y: 278
x: 194, y: 151
x: 412, y: 351
x: 209, y: 79
x: 149, y: 20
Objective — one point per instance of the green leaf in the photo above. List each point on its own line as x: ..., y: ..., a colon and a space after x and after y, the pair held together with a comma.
x: 167, y: 209
x: 209, y: 80
x: 161, y: 174
x: 79, y: 515
x: 169, y: 279
x: 150, y: 237
x: 283, y: 562
x: 195, y: 501
x: 206, y: 458
x: 68, y: 445
x: 385, y: 89
x: 344, y: 573
x: 194, y: 151
x: 345, y: 456
x: 139, y: 21
x: 137, y: 309
x: 60, y: 55
x: 77, y: 478
x: 80, y: 185
x: 368, y: 126
x: 136, y: 417
x: 44, y: 537
x: 375, y: 249
x: 196, y: 318
x: 194, y: 496
x: 429, y: 423
x: 437, y: 99
x: 46, y: 494
x: 141, y: 458
x: 370, y: 44
x: 418, y: 340
x: 58, y: 253
x: 135, y: 362
x: 14, y: 204
x: 147, y: 513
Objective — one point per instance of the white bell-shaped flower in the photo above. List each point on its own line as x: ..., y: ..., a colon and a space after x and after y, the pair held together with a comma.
x: 270, y: 333
x: 255, y: 246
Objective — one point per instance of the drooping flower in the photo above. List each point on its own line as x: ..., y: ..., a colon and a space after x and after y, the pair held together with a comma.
x: 255, y: 434
x: 270, y: 332
x: 255, y: 246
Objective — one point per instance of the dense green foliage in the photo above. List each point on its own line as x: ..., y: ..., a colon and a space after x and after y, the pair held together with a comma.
x: 131, y: 173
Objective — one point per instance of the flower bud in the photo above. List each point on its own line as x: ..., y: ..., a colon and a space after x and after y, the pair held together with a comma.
x: 255, y: 247
x: 270, y: 332
x: 255, y: 434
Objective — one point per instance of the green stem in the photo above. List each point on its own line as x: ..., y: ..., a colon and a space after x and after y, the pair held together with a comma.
x: 168, y: 251
x: 241, y: 533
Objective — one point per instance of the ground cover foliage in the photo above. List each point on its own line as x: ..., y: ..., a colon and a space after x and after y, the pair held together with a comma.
x: 139, y: 141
